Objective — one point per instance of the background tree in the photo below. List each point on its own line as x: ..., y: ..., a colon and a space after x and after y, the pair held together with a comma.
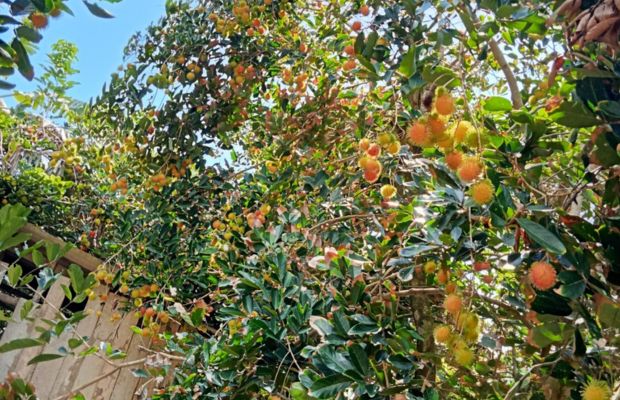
x: 363, y: 200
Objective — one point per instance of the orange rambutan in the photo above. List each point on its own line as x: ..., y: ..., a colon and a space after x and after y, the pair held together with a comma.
x: 364, y: 144
x: 454, y: 159
x: 542, y: 275
x: 374, y: 150
x: 38, y: 20
x: 444, y: 104
x: 419, y: 134
x: 453, y: 303
x: 436, y: 125
x: 469, y: 169
x: 441, y: 334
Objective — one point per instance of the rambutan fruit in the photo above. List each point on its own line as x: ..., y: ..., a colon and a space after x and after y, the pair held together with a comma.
x: 393, y: 148
x: 596, y: 390
x: 436, y: 125
x: 453, y: 303
x: 419, y: 134
x: 38, y: 20
x: 542, y: 275
x: 388, y: 191
x: 430, y: 267
x: 469, y: 169
x: 462, y: 130
x: 482, y: 192
x: 374, y: 150
x: 444, y: 104
x: 454, y: 159
x: 464, y: 356
x: 441, y: 334
x: 364, y: 144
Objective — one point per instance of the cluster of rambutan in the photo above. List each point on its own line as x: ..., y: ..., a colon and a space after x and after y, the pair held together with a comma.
x: 371, y: 151
x: 434, y: 130
x: 463, y: 331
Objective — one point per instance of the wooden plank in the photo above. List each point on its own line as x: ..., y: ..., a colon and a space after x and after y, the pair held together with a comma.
x: 14, y: 330
x: 53, y: 301
x: 72, y: 365
x: 120, y: 340
x: 85, y: 260
x: 127, y: 384
x: 96, y: 366
x: 45, y: 374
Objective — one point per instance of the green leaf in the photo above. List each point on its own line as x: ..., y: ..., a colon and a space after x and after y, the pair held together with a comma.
x: 15, y: 240
x: 542, y: 236
x: 19, y: 344
x: 37, y: 258
x: 29, y: 34
x: 14, y: 272
x: 407, y: 64
x: 359, y: 43
x: 573, y: 285
x: 412, y: 251
x: 359, y: 358
x: 550, y: 303
x: 4, y: 85
x: 574, y: 115
x: 496, y: 103
x: 44, y: 6
x: 76, y: 275
x: 329, y: 387
x: 97, y: 11
x: 23, y: 61
x: 44, y: 357
x: 26, y: 308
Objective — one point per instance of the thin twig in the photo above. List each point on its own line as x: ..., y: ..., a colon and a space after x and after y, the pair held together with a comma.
x: 101, y: 377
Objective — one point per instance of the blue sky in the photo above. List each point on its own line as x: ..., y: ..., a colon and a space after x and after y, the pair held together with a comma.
x: 100, y: 41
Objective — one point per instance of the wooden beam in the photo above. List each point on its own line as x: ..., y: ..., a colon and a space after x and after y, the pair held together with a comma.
x: 83, y: 259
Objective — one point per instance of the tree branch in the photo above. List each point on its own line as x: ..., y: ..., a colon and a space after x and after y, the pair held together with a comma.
x: 517, y: 101
x: 100, y: 377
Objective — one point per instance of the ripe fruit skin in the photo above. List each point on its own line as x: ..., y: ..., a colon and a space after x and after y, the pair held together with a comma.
x: 450, y: 287
x: 371, y: 176
x: 453, y: 303
x: 482, y: 192
x: 444, y: 104
x: 418, y: 134
x: 542, y: 275
x: 436, y: 125
x: 39, y: 21
x: 596, y: 390
x: 388, y: 191
x: 469, y: 170
x: 374, y: 150
x: 350, y: 50
x: 461, y: 131
x: 442, y: 276
x: 441, y: 334
x: 454, y: 159
x: 356, y: 26
x: 393, y: 148
x: 364, y: 10
x: 349, y: 65
x: 364, y: 144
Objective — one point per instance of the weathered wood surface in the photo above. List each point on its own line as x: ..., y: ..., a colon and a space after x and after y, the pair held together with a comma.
x: 85, y: 260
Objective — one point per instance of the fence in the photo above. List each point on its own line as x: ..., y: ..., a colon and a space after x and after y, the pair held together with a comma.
x: 60, y: 376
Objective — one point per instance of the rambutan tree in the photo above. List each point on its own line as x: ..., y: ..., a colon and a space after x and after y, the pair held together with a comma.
x: 407, y: 200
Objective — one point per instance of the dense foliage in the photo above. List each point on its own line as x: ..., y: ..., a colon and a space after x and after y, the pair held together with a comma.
x: 350, y: 200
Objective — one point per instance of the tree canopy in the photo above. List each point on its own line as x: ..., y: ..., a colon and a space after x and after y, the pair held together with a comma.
x: 342, y: 199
